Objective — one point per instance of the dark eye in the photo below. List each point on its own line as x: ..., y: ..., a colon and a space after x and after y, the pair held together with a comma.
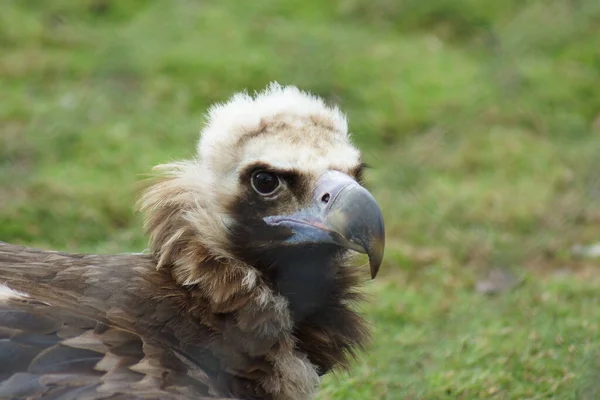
x: 264, y: 182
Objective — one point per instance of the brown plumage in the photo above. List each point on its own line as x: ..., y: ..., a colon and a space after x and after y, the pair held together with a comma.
x: 246, y: 292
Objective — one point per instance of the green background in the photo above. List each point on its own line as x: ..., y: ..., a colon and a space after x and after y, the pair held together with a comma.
x: 480, y: 120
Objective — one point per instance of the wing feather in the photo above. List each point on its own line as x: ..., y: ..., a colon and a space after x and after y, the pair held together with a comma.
x: 113, y: 326
x: 47, y: 352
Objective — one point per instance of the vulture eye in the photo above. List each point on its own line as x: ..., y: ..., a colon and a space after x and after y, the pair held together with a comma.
x: 265, y: 183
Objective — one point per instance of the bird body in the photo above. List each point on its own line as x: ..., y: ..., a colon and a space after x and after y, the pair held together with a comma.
x: 247, y: 290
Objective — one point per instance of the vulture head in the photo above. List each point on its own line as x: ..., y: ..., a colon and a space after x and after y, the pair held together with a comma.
x: 276, y: 186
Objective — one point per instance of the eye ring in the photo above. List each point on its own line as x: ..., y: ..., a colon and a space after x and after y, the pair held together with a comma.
x: 264, y: 182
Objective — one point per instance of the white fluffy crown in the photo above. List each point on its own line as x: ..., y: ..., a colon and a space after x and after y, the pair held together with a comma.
x: 243, y: 113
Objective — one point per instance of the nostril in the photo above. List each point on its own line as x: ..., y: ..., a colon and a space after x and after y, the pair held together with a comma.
x: 325, y: 198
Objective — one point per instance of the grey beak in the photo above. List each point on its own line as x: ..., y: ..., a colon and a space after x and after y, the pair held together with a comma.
x: 344, y: 213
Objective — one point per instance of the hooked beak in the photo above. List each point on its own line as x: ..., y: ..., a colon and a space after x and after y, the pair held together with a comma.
x: 342, y: 213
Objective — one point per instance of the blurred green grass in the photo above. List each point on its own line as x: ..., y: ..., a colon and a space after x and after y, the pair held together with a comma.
x: 481, y: 120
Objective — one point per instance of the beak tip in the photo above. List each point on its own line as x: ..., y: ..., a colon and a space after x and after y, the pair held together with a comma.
x: 375, y: 251
x: 375, y: 264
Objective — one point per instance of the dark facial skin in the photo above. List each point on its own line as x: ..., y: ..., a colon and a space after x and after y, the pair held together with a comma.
x: 298, y: 260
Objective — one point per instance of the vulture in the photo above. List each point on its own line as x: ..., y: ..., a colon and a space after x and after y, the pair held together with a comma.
x: 248, y: 287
